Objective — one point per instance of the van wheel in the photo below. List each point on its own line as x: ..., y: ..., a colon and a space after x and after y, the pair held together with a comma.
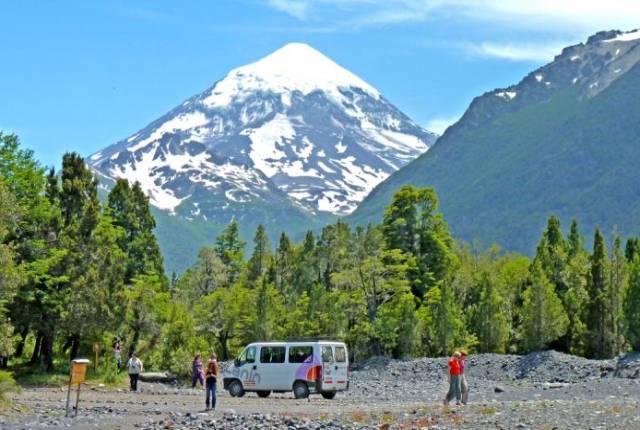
x: 329, y: 395
x: 263, y: 394
x: 235, y: 389
x: 300, y: 390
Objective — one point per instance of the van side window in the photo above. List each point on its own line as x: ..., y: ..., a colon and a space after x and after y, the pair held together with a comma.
x: 300, y: 354
x: 327, y: 354
x: 272, y: 354
x: 341, y: 354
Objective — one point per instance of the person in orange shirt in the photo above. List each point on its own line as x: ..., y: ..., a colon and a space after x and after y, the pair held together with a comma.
x: 454, y: 379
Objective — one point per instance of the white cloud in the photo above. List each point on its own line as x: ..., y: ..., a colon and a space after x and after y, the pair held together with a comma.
x: 536, y: 52
x: 549, y: 15
x: 296, y: 8
x: 440, y: 124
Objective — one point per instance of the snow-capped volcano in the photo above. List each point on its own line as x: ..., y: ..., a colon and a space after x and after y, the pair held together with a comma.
x: 292, y: 127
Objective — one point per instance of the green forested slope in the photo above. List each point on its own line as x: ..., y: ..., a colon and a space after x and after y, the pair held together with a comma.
x: 571, y: 155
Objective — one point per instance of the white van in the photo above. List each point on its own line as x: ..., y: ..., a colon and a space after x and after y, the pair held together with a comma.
x: 304, y: 367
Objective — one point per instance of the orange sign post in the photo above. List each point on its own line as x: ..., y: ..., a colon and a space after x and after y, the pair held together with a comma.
x: 77, y: 377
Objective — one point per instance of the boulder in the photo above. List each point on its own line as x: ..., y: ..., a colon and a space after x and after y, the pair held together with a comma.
x: 628, y: 366
x: 158, y: 377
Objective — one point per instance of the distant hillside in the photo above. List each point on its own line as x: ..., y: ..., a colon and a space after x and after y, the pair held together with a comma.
x: 565, y: 140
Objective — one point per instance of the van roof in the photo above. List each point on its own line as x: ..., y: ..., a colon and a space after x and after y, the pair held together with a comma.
x: 297, y: 342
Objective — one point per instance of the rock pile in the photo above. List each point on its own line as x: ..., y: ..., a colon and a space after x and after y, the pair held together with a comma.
x: 231, y: 420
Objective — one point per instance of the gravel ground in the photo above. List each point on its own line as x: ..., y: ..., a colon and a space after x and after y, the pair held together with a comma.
x: 544, y: 390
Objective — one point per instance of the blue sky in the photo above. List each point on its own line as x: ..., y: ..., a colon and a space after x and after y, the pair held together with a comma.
x: 80, y: 75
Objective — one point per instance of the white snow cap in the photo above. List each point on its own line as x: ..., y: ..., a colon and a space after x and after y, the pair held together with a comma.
x: 295, y: 66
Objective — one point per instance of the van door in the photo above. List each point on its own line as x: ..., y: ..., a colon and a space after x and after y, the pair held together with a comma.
x: 246, y: 368
x: 341, y: 368
x: 272, y: 369
x: 328, y: 364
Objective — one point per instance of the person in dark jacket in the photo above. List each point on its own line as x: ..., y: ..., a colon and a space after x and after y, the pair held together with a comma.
x: 211, y: 378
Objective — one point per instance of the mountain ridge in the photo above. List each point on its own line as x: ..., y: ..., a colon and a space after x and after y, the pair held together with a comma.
x: 561, y: 148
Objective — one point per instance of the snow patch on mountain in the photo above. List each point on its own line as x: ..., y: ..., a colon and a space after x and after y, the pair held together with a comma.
x: 294, y: 67
x: 625, y: 37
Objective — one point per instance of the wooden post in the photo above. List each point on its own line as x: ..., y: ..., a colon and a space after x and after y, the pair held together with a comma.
x: 96, y: 350
x: 77, y: 400
x: 68, y: 395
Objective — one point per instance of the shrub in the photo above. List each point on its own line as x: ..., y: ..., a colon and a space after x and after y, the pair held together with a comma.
x: 7, y: 385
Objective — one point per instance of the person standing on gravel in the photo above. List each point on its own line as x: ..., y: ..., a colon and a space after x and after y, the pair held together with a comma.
x: 464, y: 386
x: 211, y: 377
x: 117, y: 354
x: 454, y: 379
x: 134, y: 367
x: 198, y: 373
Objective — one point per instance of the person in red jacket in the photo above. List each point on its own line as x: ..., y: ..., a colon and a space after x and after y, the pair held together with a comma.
x: 454, y: 379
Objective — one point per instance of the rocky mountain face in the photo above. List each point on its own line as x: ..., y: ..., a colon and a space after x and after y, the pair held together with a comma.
x: 564, y: 140
x: 290, y: 140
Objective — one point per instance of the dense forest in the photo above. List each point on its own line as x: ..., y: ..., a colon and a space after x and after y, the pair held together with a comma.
x: 75, y: 270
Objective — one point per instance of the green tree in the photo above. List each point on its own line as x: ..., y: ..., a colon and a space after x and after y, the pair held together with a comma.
x: 264, y: 320
x: 632, y: 305
x: 489, y: 320
x: 543, y: 317
x: 284, y: 265
x: 129, y: 209
x: 411, y: 225
x: 599, y: 311
x: 261, y: 257
x: 632, y: 248
x: 230, y: 249
x: 9, y: 276
x: 144, y: 301
x: 575, y: 302
x: 444, y: 328
x: 377, y: 275
x: 617, y: 284
x: 220, y: 316
x: 205, y: 276
x: 575, y: 240
x: 334, y: 251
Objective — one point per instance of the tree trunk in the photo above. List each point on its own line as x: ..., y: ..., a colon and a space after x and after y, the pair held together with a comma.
x: 225, y: 348
x: 134, y: 341
x: 36, y: 349
x: 75, y: 346
x: 46, y: 351
x: 20, y: 346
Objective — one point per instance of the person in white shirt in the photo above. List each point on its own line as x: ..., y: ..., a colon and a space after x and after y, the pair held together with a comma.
x: 134, y: 367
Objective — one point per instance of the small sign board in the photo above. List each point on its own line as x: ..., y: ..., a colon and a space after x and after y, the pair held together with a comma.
x: 78, y: 371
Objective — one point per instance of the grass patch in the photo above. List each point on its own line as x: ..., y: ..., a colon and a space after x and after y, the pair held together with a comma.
x: 33, y: 375
x: 488, y: 410
x: 388, y: 418
x: 7, y: 385
x: 358, y: 417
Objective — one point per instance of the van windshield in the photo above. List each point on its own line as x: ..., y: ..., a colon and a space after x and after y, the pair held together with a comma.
x: 247, y: 356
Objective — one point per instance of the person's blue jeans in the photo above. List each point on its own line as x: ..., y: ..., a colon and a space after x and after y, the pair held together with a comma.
x: 211, y: 393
